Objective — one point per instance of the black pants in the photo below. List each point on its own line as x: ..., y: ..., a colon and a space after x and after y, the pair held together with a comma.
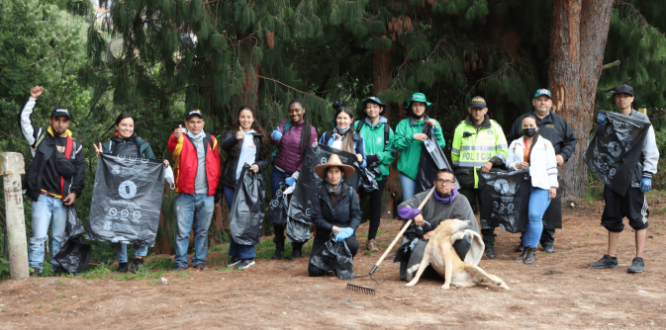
x: 633, y: 205
x: 318, y: 243
x: 280, y: 237
x: 474, y: 195
x: 376, y: 207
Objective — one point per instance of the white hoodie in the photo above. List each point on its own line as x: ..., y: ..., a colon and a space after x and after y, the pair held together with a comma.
x: 543, y: 164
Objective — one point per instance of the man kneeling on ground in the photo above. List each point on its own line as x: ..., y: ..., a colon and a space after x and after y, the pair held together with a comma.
x: 445, y: 203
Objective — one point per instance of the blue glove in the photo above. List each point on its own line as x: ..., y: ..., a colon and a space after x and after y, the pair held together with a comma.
x: 276, y: 135
x: 646, y: 185
x: 601, y: 118
x: 290, y: 181
x: 344, y: 234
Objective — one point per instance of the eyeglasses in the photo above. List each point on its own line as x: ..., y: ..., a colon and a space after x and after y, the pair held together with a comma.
x: 445, y: 182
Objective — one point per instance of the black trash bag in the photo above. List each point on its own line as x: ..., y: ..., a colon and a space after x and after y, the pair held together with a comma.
x: 247, y: 208
x: 367, y: 178
x: 308, y: 181
x: 334, y: 257
x: 74, y: 255
x: 504, y: 198
x: 297, y: 231
x: 127, y: 200
x: 277, y: 209
x: 432, y: 160
x: 615, y: 150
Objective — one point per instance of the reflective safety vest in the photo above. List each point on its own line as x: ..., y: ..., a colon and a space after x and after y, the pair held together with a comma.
x: 473, y: 148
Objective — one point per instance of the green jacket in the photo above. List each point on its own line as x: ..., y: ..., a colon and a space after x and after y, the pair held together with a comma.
x: 144, y: 148
x: 410, y: 149
x: 375, y: 144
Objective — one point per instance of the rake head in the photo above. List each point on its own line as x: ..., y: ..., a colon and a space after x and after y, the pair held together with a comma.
x: 363, y: 289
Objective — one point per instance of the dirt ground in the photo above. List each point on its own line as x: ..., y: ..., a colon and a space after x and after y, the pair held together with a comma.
x: 558, y: 292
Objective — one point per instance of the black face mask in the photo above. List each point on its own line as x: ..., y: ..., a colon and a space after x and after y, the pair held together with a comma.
x: 418, y: 117
x: 529, y: 132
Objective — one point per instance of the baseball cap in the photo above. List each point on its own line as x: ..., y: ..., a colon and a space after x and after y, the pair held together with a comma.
x: 542, y: 91
x: 624, y: 89
x: 61, y: 111
x: 478, y: 102
x: 193, y: 112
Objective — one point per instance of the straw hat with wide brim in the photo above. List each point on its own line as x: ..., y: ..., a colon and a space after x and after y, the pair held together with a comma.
x: 334, y: 161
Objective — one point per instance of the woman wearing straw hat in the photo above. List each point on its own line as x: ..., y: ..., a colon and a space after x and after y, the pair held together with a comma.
x: 335, y: 208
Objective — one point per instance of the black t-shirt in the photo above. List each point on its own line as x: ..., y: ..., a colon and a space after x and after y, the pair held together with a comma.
x: 51, y: 182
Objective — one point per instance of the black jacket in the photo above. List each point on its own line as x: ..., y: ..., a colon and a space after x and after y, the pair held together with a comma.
x: 552, y: 127
x: 232, y: 146
x: 346, y: 213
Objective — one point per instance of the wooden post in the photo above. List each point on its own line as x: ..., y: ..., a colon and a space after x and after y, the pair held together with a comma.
x: 11, y: 168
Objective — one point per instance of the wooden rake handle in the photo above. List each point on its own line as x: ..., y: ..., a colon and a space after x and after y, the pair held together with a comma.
x: 402, y: 231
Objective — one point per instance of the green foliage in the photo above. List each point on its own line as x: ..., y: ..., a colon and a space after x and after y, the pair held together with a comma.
x: 4, y: 268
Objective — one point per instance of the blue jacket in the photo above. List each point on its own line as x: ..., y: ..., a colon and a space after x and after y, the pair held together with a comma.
x: 359, y: 144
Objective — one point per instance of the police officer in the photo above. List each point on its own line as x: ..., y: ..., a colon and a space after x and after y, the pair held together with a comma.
x: 556, y: 130
x: 478, y: 142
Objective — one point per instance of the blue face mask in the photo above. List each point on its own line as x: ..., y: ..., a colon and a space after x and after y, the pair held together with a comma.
x: 342, y: 130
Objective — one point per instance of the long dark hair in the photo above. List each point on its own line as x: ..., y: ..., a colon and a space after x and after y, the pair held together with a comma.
x: 348, y: 136
x: 305, y: 134
x: 235, y: 126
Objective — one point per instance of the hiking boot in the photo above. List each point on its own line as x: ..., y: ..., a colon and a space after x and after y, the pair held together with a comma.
x: 548, y: 248
x: 371, y: 245
x: 637, y: 266
x: 605, y: 262
x: 234, y: 261
x: 179, y: 268
x: 490, y: 253
x: 520, y: 248
x: 279, y: 248
x: 296, y: 254
x: 136, y: 264
x: 201, y: 266
x: 122, y: 268
x: 523, y: 255
x: 531, y: 256
x: 245, y: 263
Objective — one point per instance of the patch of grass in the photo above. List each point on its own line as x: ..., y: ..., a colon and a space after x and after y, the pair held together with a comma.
x: 62, y: 296
x: 367, y: 253
x: 80, y: 294
x: 219, y: 248
x: 60, y: 282
x: 225, y: 269
x: 55, y: 309
x: 154, y: 283
x: 74, y: 286
x: 184, y: 274
x: 594, y: 194
x: 99, y: 272
x: 160, y: 263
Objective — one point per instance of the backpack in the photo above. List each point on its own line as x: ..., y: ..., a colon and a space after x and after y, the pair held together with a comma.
x: 275, y: 150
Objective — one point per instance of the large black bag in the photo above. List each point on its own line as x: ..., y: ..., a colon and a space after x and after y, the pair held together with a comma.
x: 334, y: 257
x: 127, y: 200
x: 277, y: 209
x: 247, y: 208
x: 615, y: 150
x: 505, y: 199
x: 297, y: 231
x: 308, y: 181
x: 432, y: 160
x: 74, y: 255
x: 367, y: 178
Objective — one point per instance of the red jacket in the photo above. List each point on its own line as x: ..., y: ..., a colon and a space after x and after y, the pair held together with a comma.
x: 184, y: 153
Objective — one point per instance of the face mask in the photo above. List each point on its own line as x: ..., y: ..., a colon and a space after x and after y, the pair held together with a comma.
x: 418, y: 117
x: 168, y: 175
x: 529, y: 132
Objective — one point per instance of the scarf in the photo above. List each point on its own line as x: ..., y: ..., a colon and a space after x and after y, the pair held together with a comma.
x: 446, y: 199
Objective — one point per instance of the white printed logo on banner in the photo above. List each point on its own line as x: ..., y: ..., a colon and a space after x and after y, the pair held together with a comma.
x: 107, y: 225
x: 115, y: 169
x: 113, y: 212
x: 136, y: 215
x: 124, y: 214
x: 127, y: 189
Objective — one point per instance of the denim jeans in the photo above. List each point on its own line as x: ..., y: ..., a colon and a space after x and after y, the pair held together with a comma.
x: 237, y: 250
x: 277, y: 176
x: 121, y: 251
x: 46, y: 210
x: 539, y: 202
x: 408, y: 187
x: 193, y: 210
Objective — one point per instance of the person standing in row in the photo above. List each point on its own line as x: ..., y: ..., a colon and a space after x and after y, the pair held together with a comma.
x: 293, y: 137
x: 378, y: 137
x: 245, y: 143
x: 478, y: 143
x: 197, y: 165
x: 343, y: 136
x: 125, y: 142
x: 556, y: 130
x: 54, y: 179
x: 633, y: 204
x: 537, y: 153
x: 409, y: 141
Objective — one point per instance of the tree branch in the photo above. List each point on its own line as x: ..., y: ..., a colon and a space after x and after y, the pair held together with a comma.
x: 611, y: 65
x: 281, y: 83
x: 46, y: 58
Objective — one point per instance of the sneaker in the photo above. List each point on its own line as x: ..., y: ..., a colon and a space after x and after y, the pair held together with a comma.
x: 490, y: 253
x: 233, y: 262
x: 122, y: 268
x: 136, y: 264
x: 605, y: 262
x: 548, y: 248
x: 637, y: 266
x: 179, y: 268
x: 371, y: 245
x: 245, y: 263
x: 201, y: 266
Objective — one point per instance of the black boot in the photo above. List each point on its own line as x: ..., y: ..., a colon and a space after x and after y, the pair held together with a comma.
x: 122, y: 268
x: 279, y: 248
x: 136, y: 264
x: 523, y: 255
x: 296, y: 251
x: 490, y: 253
x: 520, y: 248
x: 531, y: 256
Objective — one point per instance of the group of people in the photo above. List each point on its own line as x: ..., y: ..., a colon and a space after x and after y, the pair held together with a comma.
x: 540, y: 140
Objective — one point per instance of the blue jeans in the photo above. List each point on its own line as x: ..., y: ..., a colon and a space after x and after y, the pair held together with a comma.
x: 193, y: 210
x: 539, y: 202
x: 277, y: 176
x: 46, y: 210
x: 408, y: 187
x: 237, y: 250
x: 121, y: 251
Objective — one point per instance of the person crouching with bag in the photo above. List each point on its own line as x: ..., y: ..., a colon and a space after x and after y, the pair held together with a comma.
x: 335, y: 208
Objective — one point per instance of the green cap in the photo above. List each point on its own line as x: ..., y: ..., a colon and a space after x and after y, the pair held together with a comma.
x: 418, y: 97
x: 374, y: 100
x: 542, y: 91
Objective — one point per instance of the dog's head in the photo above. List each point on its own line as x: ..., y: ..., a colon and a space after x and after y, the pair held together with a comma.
x: 453, y: 226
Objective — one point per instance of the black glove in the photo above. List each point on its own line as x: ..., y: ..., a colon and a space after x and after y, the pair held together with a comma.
x: 372, y: 158
x: 217, y: 198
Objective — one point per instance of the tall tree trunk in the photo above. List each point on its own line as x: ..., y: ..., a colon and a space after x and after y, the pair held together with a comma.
x: 579, y: 32
x: 382, y: 74
x: 250, y: 88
